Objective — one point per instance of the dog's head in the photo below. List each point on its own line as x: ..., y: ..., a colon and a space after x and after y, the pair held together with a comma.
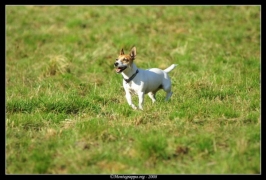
x: 124, y: 60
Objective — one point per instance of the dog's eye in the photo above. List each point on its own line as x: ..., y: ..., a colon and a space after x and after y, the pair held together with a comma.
x: 125, y: 60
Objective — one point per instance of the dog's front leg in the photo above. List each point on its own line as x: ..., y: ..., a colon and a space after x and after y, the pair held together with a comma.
x: 141, y: 99
x: 129, y: 101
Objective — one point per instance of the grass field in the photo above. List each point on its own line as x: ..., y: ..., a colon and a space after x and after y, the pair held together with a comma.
x: 66, y: 112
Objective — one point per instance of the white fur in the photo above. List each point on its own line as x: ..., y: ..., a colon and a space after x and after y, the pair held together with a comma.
x: 146, y: 82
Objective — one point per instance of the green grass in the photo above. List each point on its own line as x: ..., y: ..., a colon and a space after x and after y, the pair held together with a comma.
x: 65, y: 107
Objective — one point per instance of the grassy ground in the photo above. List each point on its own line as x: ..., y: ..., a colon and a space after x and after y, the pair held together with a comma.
x: 65, y: 107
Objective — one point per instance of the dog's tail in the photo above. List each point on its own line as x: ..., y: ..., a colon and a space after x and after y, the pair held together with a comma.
x: 170, y: 68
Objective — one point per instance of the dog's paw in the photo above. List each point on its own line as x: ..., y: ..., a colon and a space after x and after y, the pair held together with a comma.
x: 133, y: 106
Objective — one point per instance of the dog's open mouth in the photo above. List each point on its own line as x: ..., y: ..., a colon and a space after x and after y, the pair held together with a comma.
x: 120, y: 69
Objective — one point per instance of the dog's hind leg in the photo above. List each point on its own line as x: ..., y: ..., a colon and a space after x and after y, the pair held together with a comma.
x: 168, y: 95
x: 168, y: 92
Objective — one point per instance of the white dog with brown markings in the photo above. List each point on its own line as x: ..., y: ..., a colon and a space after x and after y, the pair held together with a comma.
x: 140, y: 81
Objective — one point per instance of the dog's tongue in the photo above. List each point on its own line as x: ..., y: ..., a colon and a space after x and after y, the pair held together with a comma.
x: 117, y: 70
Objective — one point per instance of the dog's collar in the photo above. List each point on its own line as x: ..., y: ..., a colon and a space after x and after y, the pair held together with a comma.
x: 132, y: 77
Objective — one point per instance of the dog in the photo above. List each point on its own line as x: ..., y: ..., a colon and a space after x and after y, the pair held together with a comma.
x: 139, y: 81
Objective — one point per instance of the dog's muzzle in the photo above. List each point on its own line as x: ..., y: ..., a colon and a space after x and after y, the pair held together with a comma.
x: 119, y: 68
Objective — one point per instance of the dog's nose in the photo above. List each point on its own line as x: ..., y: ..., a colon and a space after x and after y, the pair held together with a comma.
x: 116, y: 64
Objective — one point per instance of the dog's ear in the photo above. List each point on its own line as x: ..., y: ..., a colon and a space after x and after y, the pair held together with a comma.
x: 122, y: 52
x: 133, y: 52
